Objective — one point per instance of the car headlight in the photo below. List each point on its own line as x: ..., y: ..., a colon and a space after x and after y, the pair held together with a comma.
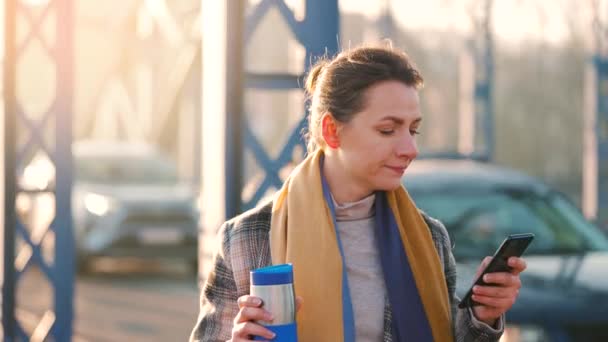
x: 524, y: 333
x: 97, y: 204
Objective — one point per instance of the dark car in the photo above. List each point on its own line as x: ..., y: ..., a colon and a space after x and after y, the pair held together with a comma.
x: 565, y: 288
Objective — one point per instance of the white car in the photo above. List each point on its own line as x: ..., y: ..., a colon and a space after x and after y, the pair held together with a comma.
x: 127, y: 200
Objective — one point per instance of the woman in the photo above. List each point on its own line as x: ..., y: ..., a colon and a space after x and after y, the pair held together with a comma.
x: 368, y: 265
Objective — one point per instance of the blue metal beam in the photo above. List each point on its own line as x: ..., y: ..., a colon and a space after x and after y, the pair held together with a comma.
x: 319, y: 34
x: 65, y: 255
x: 484, y: 84
x: 271, y: 167
x: 321, y: 28
x: 254, y: 19
x: 59, y: 273
x: 10, y: 218
x: 601, y: 131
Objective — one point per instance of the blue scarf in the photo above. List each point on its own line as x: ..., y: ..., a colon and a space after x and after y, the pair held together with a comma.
x: 409, y: 321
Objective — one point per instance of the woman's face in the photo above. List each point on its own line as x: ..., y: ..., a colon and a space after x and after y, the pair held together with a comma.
x: 379, y: 143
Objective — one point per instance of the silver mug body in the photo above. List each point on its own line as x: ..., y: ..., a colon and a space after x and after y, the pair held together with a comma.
x: 279, y: 300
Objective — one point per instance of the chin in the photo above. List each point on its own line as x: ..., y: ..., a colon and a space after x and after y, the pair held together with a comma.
x: 388, y: 185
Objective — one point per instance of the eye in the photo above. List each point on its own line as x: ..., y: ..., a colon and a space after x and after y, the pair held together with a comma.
x: 387, y: 131
x: 414, y: 132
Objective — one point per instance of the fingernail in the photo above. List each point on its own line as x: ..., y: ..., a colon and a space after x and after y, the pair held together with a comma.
x: 475, y: 288
x: 486, y: 278
x: 268, y: 317
x: 255, y: 301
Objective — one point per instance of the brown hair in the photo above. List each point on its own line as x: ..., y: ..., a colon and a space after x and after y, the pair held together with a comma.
x: 338, y: 85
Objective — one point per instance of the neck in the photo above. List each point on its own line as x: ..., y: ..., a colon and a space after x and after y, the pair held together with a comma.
x: 343, y: 188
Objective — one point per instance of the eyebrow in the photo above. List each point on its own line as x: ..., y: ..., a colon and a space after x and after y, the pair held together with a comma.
x: 400, y: 121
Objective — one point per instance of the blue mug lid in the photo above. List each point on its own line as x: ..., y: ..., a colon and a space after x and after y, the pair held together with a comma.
x: 272, y: 275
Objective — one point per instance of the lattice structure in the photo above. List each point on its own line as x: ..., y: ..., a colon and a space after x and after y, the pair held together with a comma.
x: 318, y: 34
x: 152, y: 69
x: 39, y: 39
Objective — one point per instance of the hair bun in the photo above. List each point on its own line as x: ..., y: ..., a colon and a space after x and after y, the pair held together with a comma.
x: 313, y: 75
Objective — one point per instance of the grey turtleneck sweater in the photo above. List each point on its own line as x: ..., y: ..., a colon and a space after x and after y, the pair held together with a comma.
x: 356, y: 224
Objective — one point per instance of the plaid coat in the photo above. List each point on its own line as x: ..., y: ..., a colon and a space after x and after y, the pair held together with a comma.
x: 245, y: 246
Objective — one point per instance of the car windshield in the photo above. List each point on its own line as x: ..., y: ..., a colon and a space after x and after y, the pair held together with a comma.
x: 479, y: 221
x: 125, y: 170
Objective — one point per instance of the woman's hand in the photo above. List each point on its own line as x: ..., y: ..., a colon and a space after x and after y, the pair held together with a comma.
x: 500, y: 296
x: 249, y: 311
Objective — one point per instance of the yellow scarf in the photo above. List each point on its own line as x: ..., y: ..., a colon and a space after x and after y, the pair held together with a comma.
x: 302, y: 233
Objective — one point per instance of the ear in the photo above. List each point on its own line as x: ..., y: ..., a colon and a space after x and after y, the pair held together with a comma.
x: 329, y: 130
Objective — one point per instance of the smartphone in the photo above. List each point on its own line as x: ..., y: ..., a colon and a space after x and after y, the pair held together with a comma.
x: 513, y: 246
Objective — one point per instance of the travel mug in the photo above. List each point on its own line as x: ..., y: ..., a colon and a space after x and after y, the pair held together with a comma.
x: 274, y: 285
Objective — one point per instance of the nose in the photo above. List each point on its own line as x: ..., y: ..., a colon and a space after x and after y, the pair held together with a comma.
x: 407, y: 147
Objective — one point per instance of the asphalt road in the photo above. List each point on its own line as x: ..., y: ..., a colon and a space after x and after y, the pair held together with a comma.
x: 125, y: 300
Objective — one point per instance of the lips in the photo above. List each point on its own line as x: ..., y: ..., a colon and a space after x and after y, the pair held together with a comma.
x: 397, y: 169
